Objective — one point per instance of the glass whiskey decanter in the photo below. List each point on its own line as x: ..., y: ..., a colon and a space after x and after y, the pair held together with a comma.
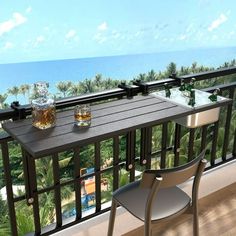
x: 43, y: 108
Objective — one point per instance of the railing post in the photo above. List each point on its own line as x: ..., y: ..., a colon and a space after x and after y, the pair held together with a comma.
x: 115, y: 163
x: 203, y: 138
x: 130, y: 154
x: 57, y: 193
x: 33, y: 193
x: 10, y: 197
x: 177, y: 144
x: 227, y: 125
x: 191, y: 144
x: 214, y: 142
x: 146, y: 147
x: 77, y: 184
x: 163, y: 145
x: 98, y: 176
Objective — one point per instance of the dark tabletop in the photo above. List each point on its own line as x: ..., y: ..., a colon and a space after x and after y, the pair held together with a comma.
x: 108, y: 119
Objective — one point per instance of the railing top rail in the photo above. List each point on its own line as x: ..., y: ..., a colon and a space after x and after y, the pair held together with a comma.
x: 210, y: 74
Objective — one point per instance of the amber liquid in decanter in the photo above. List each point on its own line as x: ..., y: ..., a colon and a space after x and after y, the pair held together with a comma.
x: 43, y: 108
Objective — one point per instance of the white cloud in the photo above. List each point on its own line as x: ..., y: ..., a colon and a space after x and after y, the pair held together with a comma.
x: 19, y: 19
x: 138, y: 34
x: 8, y: 45
x: 182, y: 37
x: 16, y: 20
x: 100, y: 38
x: 115, y: 34
x: 102, y: 27
x: 216, y: 23
x: 165, y: 40
x: 70, y: 34
x: 40, y: 39
x: 29, y: 9
x: 190, y: 28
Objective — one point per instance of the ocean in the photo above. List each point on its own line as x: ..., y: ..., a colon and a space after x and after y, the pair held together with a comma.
x: 124, y: 67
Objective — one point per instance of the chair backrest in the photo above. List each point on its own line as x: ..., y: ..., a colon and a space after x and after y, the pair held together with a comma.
x: 176, y: 175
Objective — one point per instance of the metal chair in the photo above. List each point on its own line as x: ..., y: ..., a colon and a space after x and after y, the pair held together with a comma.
x: 156, y: 197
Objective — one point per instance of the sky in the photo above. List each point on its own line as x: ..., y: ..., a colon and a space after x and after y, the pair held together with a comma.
x: 33, y: 30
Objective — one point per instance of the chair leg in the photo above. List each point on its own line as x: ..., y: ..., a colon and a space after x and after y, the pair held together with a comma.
x: 147, y: 228
x: 112, y: 218
x: 195, y: 223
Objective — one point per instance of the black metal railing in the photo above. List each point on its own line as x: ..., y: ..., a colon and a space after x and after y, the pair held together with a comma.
x: 146, y: 155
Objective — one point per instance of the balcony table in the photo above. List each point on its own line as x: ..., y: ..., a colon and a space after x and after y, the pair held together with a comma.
x: 109, y: 119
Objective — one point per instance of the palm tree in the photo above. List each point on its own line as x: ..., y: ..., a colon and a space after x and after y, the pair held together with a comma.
x: 142, y: 77
x: 171, y: 69
x: 2, y: 100
x: 74, y: 90
x: 109, y: 83
x: 87, y: 86
x: 194, y: 67
x: 226, y: 64
x: 184, y: 70
x: 98, y: 80
x: 151, y: 76
x: 14, y: 91
x: 64, y: 87
x: 25, y: 88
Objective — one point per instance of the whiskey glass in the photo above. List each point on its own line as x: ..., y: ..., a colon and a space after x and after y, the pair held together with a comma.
x: 82, y: 115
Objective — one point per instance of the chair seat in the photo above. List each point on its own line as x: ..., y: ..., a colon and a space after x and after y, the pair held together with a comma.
x: 168, y: 201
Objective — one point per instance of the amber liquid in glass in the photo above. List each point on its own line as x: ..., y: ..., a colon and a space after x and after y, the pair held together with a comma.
x: 44, y: 118
x: 83, y: 119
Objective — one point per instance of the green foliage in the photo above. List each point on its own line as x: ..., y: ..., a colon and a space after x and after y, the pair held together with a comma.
x: 4, y: 219
x: 25, y: 222
x: 171, y: 69
x: 25, y: 89
x: 5, y: 229
x: 14, y: 91
x: 87, y: 156
x: 64, y: 87
x: 3, y: 98
x: 123, y: 178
